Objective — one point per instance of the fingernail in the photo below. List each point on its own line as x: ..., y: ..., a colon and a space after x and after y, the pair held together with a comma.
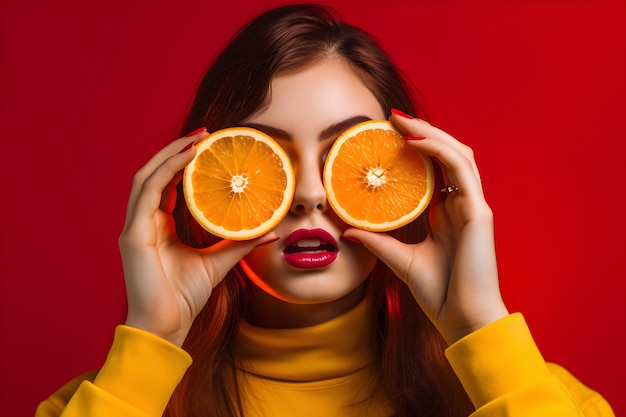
x: 413, y: 138
x: 195, y: 132
x: 268, y: 242
x: 401, y: 114
x: 352, y: 239
x: 186, y: 148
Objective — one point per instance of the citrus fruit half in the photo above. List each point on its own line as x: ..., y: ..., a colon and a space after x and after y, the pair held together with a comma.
x: 374, y: 180
x: 240, y: 184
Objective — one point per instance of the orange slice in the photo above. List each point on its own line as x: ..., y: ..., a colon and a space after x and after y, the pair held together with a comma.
x: 374, y: 180
x: 240, y: 184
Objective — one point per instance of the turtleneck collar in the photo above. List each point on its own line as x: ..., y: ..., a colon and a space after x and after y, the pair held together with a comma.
x: 338, y: 347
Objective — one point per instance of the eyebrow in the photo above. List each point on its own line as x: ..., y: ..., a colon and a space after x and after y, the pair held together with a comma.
x: 331, y: 131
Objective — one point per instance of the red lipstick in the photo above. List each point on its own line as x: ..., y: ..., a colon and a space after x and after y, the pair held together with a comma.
x: 310, y: 249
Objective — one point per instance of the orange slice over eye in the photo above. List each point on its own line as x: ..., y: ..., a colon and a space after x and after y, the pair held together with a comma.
x: 374, y: 180
x: 240, y: 184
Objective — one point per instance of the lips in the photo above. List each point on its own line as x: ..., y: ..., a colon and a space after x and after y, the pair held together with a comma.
x: 310, y: 249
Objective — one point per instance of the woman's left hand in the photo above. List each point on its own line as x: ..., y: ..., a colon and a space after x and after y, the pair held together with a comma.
x: 453, y: 273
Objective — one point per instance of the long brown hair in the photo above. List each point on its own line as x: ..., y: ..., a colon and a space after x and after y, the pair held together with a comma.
x: 413, y: 369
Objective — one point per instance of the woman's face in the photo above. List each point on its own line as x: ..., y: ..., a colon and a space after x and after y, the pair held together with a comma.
x: 311, y: 264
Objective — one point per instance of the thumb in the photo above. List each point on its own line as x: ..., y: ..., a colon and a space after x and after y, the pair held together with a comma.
x: 397, y: 255
x: 224, y: 255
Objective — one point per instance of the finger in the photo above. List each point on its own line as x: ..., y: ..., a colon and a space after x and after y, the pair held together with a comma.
x: 461, y: 169
x: 458, y: 167
x: 149, y: 196
x: 168, y: 197
x: 173, y: 148
x: 421, y: 128
x: 440, y: 182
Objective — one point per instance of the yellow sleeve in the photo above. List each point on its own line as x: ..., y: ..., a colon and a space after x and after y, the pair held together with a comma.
x: 504, y: 374
x: 137, y: 379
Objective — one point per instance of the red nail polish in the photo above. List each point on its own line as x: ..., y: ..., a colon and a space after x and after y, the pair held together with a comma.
x: 352, y: 239
x: 186, y: 148
x: 401, y: 114
x: 413, y: 138
x: 268, y: 242
x: 195, y: 132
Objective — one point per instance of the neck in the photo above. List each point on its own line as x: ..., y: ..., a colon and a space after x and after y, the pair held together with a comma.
x: 273, y: 313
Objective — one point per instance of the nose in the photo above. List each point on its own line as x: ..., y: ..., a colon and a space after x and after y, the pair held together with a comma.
x: 310, y: 195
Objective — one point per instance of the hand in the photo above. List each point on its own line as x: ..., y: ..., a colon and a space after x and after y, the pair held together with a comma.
x: 453, y: 273
x: 167, y: 282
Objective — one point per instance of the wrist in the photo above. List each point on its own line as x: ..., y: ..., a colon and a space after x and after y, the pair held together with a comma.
x: 174, y: 336
x: 475, y: 322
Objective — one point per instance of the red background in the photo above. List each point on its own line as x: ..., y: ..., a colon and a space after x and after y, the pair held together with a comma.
x: 90, y: 90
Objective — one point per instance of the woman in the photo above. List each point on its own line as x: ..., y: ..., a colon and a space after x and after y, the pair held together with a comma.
x: 409, y: 323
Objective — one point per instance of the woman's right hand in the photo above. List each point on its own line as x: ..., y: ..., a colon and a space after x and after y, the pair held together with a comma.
x: 167, y: 282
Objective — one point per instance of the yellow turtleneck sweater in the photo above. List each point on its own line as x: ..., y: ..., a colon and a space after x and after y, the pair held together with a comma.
x: 325, y: 370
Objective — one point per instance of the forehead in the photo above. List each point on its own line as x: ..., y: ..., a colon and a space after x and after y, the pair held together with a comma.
x: 320, y: 94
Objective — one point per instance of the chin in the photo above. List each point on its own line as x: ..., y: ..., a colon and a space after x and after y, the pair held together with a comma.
x: 295, y: 286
